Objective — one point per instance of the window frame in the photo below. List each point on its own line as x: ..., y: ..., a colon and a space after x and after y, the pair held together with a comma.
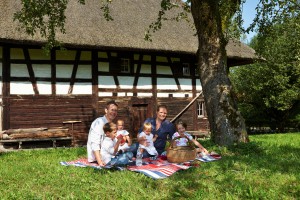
x: 186, y: 69
x: 201, y: 109
x: 123, y: 66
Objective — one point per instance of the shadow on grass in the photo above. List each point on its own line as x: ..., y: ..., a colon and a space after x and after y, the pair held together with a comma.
x: 256, y: 160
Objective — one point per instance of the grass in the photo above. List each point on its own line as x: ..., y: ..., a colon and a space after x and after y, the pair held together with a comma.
x: 266, y: 168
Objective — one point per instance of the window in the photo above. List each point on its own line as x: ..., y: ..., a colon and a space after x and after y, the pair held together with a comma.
x: 200, y: 109
x: 186, y: 69
x: 125, y: 65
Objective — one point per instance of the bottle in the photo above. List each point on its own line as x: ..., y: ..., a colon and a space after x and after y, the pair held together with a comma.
x: 139, y: 159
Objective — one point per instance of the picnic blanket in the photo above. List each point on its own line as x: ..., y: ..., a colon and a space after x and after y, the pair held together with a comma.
x: 156, y: 169
x: 83, y: 162
x: 208, y: 157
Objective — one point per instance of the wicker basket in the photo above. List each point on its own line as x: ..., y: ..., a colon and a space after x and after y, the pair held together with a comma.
x: 181, y: 154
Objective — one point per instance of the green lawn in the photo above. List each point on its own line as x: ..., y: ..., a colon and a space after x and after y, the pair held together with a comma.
x: 266, y: 168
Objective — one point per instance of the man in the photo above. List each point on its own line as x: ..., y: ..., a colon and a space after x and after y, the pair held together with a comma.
x: 161, y: 127
x: 96, y: 133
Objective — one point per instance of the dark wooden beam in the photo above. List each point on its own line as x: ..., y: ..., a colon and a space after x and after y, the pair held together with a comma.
x: 6, y: 87
x: 30, y: 71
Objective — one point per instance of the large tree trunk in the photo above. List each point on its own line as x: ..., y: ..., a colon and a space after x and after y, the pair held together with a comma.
x: 226, y: 123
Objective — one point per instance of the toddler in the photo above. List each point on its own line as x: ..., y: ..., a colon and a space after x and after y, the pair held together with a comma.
x: 146, y: 141
x: 125, y: 142
x: 183, y: 138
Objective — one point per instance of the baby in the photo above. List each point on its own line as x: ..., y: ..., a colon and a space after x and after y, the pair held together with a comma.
x: 121, y: 133
x: 146, y: 141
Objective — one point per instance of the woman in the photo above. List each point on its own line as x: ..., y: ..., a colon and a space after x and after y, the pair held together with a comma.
x: 161, y: 127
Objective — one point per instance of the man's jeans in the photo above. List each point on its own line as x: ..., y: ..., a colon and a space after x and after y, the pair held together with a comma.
x: 121, y: 159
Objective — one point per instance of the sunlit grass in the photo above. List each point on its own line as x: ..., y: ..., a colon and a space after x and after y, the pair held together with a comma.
x: 266, y: 168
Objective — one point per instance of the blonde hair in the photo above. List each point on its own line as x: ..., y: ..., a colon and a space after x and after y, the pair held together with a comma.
x: 147, y: 126
x: 120, y: 120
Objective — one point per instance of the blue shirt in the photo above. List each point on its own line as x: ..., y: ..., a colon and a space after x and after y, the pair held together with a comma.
x: 166, y: 129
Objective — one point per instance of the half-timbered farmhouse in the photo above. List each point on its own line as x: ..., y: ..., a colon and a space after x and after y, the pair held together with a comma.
x: 104, y: 60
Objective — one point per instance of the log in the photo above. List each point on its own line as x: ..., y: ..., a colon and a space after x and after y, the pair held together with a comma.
x: 50, y: 133
x: 22, y: 130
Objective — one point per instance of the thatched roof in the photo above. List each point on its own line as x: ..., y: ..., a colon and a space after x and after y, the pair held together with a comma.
x: 86, y: 26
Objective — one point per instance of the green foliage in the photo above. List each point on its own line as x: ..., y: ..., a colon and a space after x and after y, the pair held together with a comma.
x: 269, y: 90
x: 105, y: 10
x: 270, y: 12
x: 48, y: 16
x: 44, y: 17
x: 266, y: 168
x: 183, y: 8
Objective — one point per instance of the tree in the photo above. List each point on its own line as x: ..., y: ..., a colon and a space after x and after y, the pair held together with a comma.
x: 270, y: 90
x: 211, y: 19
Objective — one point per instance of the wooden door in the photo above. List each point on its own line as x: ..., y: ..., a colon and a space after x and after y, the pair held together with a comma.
x: 141, y: 109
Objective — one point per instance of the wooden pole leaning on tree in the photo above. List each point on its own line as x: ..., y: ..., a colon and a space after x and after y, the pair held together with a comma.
x: 186, y: 107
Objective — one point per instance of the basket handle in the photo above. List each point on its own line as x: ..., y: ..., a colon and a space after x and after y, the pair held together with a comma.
x: 190, y: 144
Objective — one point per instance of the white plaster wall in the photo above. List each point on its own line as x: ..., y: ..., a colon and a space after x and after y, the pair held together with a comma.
x: 102, y: 55
x: 65, y: 55
x: 162, y: 94
x: 64, y: 71
x: 161, y: 59
x: 19, y: 70
x: 126, y: 82
x: 163, y: 70
x: 41, y: 70
x: 106, y: 82
x: 198, y: 84
x: 121, y: 94
x: 185, y: 84
x: 16, y: 53
x: 166, y: 84
x: 38, y: 54
x: 104, y: 94
x: 82, y: 88
x: 176, y: 95
x: 144, y: 94
x: 144, y: 83
x: 146, y: 69
x: 103, y: 66
x: 86, y: 55
x: 180, y: 95
x: 21, y: 88
x: 84, y: 71
x: 44, y: 87
x: 147, y: 58
x: 62, y: 88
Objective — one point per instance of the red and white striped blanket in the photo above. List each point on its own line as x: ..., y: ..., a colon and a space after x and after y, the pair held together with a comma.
x: 156, y: 169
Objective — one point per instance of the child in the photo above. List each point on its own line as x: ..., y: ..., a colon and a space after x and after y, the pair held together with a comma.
x: 125, y: 142
x: 110, y: 146
x: 184, y: 137
x: 146, y: 141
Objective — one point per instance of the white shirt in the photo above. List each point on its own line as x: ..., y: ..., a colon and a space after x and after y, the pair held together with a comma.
x: 149, y: 138
x: 150, y: 144
x: 182, y: 141
x: 122, y: 132
x: 95, y: 138
x: 107, y: 149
